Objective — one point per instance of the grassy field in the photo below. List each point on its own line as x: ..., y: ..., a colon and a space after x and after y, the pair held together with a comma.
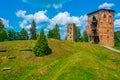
x: 68, y: 61
x: 117, y: 47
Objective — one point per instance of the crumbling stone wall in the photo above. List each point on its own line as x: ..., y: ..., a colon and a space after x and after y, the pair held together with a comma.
x: 104, y: 28
x: 71, y: 32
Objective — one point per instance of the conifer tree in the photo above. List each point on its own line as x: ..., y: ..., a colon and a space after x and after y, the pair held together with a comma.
x: 23, y: 34
x: 56, y: 32
x: 41, y: 47
x: 1, y: 24
x: 85, y: 36
x: 33, y: 30
x: 77, y: 34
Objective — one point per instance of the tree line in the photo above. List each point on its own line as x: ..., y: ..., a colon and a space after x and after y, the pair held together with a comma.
x: 9, y: 35
x: 117, y: 38
x: 41, y: 47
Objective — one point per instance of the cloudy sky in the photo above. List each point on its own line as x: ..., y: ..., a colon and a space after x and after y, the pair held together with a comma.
x: 17, y: 14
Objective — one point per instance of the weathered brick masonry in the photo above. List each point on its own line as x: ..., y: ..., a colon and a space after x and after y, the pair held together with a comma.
x: 100, y: 27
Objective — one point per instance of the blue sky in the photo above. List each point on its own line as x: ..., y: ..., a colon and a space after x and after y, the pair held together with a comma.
x: 17, y: 14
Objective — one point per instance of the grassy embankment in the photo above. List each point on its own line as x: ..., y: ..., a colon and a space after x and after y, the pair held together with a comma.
x: 68, y: 61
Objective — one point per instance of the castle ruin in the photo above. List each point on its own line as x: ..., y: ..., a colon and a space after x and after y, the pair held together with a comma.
x: 71, y: 32
x: 100, y: 27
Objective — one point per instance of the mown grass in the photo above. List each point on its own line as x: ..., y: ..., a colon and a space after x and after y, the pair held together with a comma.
x: 68, y: 61
x: 117, y: 47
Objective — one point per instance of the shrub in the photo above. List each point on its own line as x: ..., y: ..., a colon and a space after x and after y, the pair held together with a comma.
x: 41, y: 47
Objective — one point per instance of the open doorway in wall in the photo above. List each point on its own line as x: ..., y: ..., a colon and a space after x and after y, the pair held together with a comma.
x: 94, y: 30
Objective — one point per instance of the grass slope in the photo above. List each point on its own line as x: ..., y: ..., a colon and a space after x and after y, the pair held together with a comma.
x: 117, y: 47
x: 69, y: 61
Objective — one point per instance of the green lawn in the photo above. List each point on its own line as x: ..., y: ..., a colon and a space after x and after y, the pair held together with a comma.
x: 117, y: 47
x: 68, y: 61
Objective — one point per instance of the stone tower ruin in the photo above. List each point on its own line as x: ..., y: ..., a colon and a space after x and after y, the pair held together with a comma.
x: 100, y: 27
x: 71, y: 32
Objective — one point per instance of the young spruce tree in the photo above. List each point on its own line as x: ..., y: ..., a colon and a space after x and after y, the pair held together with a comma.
x: 33, y: 30
x: 41, y: 47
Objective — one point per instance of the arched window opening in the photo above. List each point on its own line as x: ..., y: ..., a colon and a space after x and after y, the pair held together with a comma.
x: 110, y: 19
x: 104, y: 16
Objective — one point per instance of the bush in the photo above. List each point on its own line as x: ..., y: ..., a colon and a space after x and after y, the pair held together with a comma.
x: 3, y: 35
x: 41, y: 47
x: 117, y: 38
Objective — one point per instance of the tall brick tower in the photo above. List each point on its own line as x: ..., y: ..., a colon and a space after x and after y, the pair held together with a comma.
x: 71, y: 32
x: 100, y: 27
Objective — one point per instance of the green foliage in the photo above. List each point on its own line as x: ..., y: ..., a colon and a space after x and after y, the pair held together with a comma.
x: 54, y: 33
x: 1, y: 25
x: 33, y: 30
x: 23, y: 34
x: 51, y: 34
x: 77, y: 34
x: 117, y: 47
x: 87, y: 62
x: 117, y: 38
x: 3, y: 34
x: 57, y: 32
x: 85, y: 36
x: 41, y: 47
x: 11, y: 34
x: 17, y: 36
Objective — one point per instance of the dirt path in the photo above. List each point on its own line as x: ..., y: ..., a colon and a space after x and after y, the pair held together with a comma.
x: 113, y: 49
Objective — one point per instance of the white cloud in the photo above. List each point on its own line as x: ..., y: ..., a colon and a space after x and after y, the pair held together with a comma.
x: 6, y: 23
x: 117, y: 23
x: 117, y: 15
x: 21, y: 13
x: 61, y: 18
x: 56, y: 6
x: 23, y: 24
x: 106, y: 5
x: 39, y: 17
x: 64, y: 18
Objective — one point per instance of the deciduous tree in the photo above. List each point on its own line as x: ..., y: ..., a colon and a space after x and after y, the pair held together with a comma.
x: 117, y: 38
x: 54, y: 33
x: 3, y: 34
x: 11, y: 34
